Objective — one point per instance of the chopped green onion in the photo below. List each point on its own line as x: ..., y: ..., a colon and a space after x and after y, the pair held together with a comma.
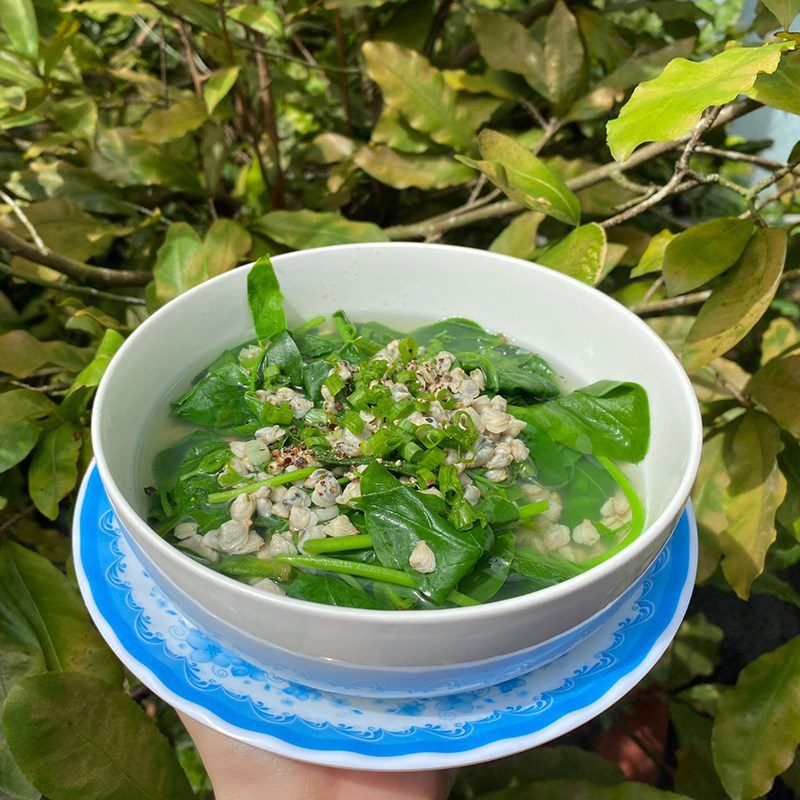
x: 334, y: 384
x: 344, y: 327
x: 351, y: 420
x: 336, y: 544
x: 314, y: 322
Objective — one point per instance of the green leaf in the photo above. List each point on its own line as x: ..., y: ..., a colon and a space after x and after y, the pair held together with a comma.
x: 784, y: 10
x: 265, y: 299
x: 402, y: 171
x: 757, y: 728
x: 21, y: 354
x: 776, y: 386
x: 76, y: 116
x: 77, y: 737
x: 524, y: 177
x: 668, y: 106
x: 18, y: 18
x: 20, y: 411
x: 581, y: 254
x: 751, y: 501
x: 164, y: 125
x: 507, y: 45
x: 602, y: 39
x: 781, y: 336
x: 518, y: 239
x: 303, y: 230
x: 694, y: 772
x: 329, y: 590
x: 708, y: 498
x: 217, y: 86
x: 694, y: 653
x: 542, y: 764
x: 177, y: 267
x: 701, y: 253
x: 418, y: 90
x: 739, y: 300
x: 263, y: 20
x: 780, y: 89
x: 54, y: 468
x: 605, y: 418
x: 564, y: 67
x: 652, y: 259
x: 90, y: 376
x: 44, y: 613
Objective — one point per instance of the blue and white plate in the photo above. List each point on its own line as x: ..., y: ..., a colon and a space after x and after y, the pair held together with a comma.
x: 199, y: 677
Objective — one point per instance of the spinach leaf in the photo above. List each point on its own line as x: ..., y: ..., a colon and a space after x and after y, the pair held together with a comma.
x: 376, y: 478
x: 588, y: 488
x: 523, y: 375
x: 187, y: 474
x: 314, y: 374
x: 542, y: 571
x: 265, y: 299
x: 491, y: 571
x: 607, y: 418
x: 456, y: 335
x: 398, y: 518
x: 329, y: 590
x: 498, y: 510
x: 218, y: 399
x: 312, y: 345
x: 553, y: 461
x: 378, y: 333
x: 284, y: 353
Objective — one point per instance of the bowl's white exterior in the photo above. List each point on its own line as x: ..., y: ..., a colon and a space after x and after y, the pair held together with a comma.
x: 582, y: 332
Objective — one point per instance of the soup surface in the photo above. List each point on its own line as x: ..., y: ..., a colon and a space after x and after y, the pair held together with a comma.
x: 361, y: 465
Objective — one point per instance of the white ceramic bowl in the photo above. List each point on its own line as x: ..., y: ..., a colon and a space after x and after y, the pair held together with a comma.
x: 585, y: 335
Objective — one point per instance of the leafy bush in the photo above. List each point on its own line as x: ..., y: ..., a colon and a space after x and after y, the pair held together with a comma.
x: 147, y: 146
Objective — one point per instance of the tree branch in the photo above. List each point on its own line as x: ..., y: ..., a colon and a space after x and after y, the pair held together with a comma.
x: 460, y: 218
x: 71, y: 288
x: 100, y: 277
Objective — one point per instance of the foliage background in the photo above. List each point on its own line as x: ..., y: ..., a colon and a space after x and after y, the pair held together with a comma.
x: 147, y: 146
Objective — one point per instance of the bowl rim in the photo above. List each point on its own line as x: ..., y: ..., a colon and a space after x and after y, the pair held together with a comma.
x: 524, y: 602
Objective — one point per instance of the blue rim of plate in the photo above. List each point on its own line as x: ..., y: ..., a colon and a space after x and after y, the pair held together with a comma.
x: 624, y: 651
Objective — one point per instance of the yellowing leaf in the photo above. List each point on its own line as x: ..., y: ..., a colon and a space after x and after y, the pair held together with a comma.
x: 701, y: 253
x: 780, y: 89
x: 21, y: 354
x: 581, y: 254
x: 756, y: 489
x: 302, y: 230
x: 180, y: 118
x: 784, y: 10
x: 54, y: 468
x: 20, y: 411
x: 418, y: 90
x: 564, y: 68
x: 757, y: 728
x: 708, y: 497
x: 518, y: 239
x: 780, y: 337
x: 524, y: 177
x: 776, y: 386
x: 263, y: 20
x: 393, y: 130
x: 225, y: 246
x: 506, y: 44
x: 217, y: 86
x: 652, y: 259
x: 403, y: 171
x: 739, y: 300
x: 92, y: 374
x: 668, y: 106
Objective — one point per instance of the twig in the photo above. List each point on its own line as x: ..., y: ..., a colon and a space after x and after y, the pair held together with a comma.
x: 344, y: 84
x: 654, y: 287
x: 735, y: 155
x: 695, y: 298
x: 197, y: 81
x: 77, y: 270
x: 162, y: 59
x: 72, y: 288
x: 27, y: 224
x: 536, y: 115
x: 16, y: 518
x: 437, y: 23
x: 452, y: 220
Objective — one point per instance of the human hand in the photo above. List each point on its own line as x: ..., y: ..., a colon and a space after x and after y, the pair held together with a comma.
x: 239, y: 771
